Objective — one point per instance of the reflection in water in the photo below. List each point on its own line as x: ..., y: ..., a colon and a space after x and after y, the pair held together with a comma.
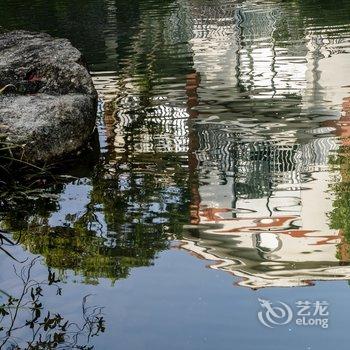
x: 263, y: 205
x: 222, y: 125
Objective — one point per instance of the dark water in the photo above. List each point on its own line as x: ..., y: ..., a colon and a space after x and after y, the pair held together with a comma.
x: 222, y: 167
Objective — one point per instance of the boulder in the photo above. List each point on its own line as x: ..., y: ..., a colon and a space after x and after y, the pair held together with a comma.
x: 47, y: 100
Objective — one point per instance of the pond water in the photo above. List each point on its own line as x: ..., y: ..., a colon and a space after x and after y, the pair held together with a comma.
x: 219, y: 175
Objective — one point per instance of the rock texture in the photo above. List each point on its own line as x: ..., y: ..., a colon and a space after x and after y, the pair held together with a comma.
x: 48, y: 100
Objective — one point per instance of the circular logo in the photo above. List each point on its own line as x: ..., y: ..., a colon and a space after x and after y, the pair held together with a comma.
x: 274, y: 315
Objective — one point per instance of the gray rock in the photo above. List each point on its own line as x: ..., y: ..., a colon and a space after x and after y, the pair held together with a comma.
x: 48, y: 108
x: 43, y: 126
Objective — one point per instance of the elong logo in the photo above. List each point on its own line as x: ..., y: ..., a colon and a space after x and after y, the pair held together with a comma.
x: 307, y: 314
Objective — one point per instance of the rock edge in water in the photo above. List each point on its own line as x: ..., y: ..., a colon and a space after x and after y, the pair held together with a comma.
x: 48, y: 101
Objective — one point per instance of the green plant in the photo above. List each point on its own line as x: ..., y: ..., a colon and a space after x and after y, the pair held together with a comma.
x: 3, y: 89
x: 26, y: 324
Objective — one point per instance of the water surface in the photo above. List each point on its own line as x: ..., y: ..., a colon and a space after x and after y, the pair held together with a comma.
x: 222, y: 162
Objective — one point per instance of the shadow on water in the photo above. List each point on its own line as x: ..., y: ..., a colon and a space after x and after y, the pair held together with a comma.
x: 219, y: 128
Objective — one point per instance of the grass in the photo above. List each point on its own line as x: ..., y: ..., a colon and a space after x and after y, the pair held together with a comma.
x: 3, y: 89
x: 20, y: 178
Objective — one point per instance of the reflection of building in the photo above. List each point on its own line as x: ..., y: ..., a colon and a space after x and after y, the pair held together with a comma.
x: 257, y: 155
x: 263, y: 210
x: 263, y: 158
x: 260, y: 213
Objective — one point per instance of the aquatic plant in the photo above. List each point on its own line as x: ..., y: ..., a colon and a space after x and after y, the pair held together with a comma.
x: 25, y: 323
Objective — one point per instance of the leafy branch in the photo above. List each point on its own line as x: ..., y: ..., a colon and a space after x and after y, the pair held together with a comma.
x: 26, y: 324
